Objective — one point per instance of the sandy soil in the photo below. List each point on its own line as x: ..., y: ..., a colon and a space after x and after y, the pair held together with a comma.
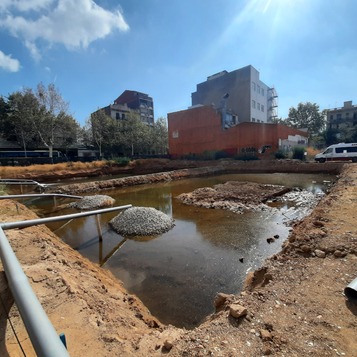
x: 293, y: 306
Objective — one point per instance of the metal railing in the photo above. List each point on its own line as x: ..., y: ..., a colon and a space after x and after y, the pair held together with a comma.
x: 37, y: 195
x: 44, y: 337
x: 23, y: 182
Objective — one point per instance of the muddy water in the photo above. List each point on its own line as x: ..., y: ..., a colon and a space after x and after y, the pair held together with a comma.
x: 177, y: 274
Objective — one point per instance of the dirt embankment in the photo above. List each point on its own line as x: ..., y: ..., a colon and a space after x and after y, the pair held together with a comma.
x: 293, y: 306
x: 150, y: 166
x: 176, y: 170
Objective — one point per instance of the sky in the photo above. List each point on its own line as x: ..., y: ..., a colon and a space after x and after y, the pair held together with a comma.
x: 94, y: 50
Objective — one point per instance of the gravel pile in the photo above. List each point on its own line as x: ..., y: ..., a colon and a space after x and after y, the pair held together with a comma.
x: 93, y: 202
x: 141, y: 221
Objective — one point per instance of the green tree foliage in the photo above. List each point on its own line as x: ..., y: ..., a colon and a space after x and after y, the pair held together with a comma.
x: 160, y: 137
x: 4, y: 112
x: 102, y: 130
x: 38, y: 119
x: 55, y: 126
x: 329, y: 137
x: 136, y: 135
x: 279, y: 121
x: 24, y: 110
x: 307, y: 115
x: 125, y: 137
x: 299, y: 153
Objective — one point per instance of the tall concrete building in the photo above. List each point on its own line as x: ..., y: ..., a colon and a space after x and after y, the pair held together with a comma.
x: 240, y: 95
x: 342, y: 119
x: 141, y: 102
x: 135, y: 102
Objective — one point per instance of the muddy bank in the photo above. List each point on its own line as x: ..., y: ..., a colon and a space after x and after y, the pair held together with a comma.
x: 219, y: 167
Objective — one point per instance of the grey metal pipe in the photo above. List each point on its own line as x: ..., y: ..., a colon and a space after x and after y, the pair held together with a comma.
x: 351, y: 289
x: 44, y: 337
x: 20, y: 182
x: 34, y: 222
x: 30, y: 195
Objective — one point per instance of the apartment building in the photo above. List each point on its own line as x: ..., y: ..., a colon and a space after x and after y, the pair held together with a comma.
x: 240, y: 95
x: 132, y: 102
x: 342, y: 119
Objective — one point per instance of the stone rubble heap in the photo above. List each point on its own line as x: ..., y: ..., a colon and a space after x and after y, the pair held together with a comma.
x: 93, y: 202
x: 141, y: 221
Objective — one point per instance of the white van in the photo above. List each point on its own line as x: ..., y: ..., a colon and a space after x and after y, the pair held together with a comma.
x: 339, y: 152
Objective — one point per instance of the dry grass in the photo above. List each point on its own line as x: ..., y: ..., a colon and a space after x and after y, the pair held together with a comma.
x: 9, y: 171
x: 311, y: 152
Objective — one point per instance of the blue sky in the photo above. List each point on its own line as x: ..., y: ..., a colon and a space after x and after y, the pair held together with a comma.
x: 94, y: 50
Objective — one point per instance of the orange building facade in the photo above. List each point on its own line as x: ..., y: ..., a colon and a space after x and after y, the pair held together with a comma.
x: 199, y: 129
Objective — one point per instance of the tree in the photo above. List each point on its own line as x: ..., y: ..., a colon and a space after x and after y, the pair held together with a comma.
x: 307, y: 115
x: 24, y: 109
x: 278, y: 121
x: 329, y: 137
x: 53, y: 124
x: 136, y: 135
x: 101, y: 126
x: 160, y: 136
x: 5, y: 125
x: 68, y: 131
x: 4, y: 111
x: 38, y: 119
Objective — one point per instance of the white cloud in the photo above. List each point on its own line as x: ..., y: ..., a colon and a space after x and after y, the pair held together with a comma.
x: 27, y: 5
x: 73, y: 23
x: 8, y: 63
x: 35, y: 53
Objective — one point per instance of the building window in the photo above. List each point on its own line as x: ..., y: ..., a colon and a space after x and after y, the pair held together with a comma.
x: 253, y: 103
x: 253, y: 86
x: 117, y: 115
x: 258, y: 88
x: 253, y: 119
x: 338, y: 116
x: 262, y: 107
x: 354, y: 115
x: 262, y: 92
x: 347, y: 115
x: 258, y: 106
x: 331, y: 117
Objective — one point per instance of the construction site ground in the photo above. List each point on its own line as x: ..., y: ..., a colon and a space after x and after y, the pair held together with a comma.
x: 293, y: 306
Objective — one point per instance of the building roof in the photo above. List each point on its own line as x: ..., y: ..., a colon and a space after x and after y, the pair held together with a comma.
x: 129, y: 96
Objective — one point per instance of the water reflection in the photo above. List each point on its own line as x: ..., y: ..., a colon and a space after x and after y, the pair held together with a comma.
x: 177, y: 274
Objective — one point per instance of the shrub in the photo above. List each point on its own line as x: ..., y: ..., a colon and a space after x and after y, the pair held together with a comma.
x: 246, y: 157
x: 299, y: 153
x: 121, y: 161
x: 207, y: 155
x: 221, y: 155
x: 280, y: 154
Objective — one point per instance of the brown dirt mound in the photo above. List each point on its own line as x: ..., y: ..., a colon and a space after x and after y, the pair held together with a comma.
x: 233, y: 195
